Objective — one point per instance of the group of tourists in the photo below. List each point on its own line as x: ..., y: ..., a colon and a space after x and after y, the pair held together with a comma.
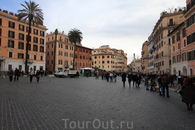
x: 185, y: 87
x: 31, y: 74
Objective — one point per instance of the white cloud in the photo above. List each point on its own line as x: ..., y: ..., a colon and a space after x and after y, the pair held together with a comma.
x: 122, y: 24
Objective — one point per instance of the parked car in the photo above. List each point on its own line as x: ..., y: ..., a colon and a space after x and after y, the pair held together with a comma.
x: 66, y: 73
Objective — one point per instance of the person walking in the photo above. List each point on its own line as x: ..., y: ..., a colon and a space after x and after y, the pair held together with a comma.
x: 114, y: 76
x: 180, y: 83
x: 129, y: 79
x: 10, y: 74
x: 165, y: 82
x: 188, y: 96
x: 123, y: 78
x: 16, y: 74
x: 107, y: 76
x: 139, y: 78
x: 134, y: 78
x: 38, y: 75
x: 31, y: 74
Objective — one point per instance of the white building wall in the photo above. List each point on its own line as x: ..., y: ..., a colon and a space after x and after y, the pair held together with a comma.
x: 15, y: 64
x: 179, y: 67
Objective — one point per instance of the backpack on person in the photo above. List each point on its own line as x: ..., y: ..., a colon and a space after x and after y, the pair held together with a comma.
x: 165, y: 80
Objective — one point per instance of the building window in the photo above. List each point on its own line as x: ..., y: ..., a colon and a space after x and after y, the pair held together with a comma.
x: 183, y: 32
x: 41, y: 49
x: 184, y: 56
x: 41, y: 41
x: 41, y: 58
x: 9, y: 66
x: 35, y: 31
x: 21, y: 55
x: 10, y: 54
x: 66, y: 54
x: 173, y: 39
x: 29, y: 47
x: 178, y: 36
x: 60, y: 53
x: 21, y: 36
x: 35, y: 57
x: 11, y: 24
x: 66, y: 40
x: 178, y: 58
x: 66, y: 63
x: 42, y: 33
x: 20, y: 67
x: 11, y: 34
x: 27, y: 28
x: 60, y: 46
x: 47, y: 53
x: 171, y: 23
x: 184, y: 41
x: 21, y: 27
x: 35, y: 48
x: 35, y: 39
x: 60, y: 62
x: 21, y: 45
x: 66, y: 47
x: 179, y: 46
x: 10, y: 43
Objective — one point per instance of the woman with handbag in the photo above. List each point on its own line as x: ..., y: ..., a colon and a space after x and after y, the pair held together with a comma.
x: 38, y: 75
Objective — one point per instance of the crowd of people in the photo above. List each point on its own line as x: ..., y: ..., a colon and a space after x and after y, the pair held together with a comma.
x: 185, y: 85
x: 15, y: 74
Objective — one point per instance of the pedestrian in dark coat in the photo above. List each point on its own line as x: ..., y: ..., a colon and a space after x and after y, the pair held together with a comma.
x: 139, y: 78
x: 38, y: 75
x: 165, y: 83
x: 123, y: 78
x: 134, y: 78
x: 16, y: 74
x: 10, y: 74
x: 188, y: 96
x: 129, y: 79
x: 107, y: 76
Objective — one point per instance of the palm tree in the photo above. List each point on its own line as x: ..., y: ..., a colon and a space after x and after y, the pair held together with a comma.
x: 33, y: 14
x: 75, y: 36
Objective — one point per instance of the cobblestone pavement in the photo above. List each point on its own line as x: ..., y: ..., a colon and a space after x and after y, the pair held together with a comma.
x: 88, y: 104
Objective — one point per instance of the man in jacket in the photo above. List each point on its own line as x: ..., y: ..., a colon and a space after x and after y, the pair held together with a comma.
x: 165, y: 83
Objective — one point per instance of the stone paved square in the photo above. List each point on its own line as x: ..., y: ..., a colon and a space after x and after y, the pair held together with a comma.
x: 88, y: 104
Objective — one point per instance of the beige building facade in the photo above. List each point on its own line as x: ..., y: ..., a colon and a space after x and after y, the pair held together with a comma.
x: 109, y: 59
x: 145, y: 58
x: 161, y: 40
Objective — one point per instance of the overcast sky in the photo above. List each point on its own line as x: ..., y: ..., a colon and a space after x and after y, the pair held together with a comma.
x: 121, y: 24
